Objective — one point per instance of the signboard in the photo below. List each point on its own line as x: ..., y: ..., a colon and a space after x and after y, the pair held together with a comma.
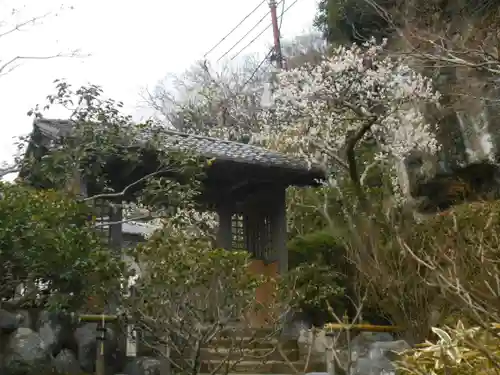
x: 131, y: 341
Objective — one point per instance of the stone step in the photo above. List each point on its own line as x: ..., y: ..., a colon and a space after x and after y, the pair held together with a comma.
x: 238, y: 353
x: 245, y: 344
x: 242, y: 331
x: 262, y: 367
x: 253, y: 343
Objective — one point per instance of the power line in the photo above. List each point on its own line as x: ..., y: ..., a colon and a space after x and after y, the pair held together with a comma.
x: 263, y: 31
x: 244, y: 36
x: 270, y: 51
x: 258, y: 67
x: 282, y: 12
x: 236, y: 27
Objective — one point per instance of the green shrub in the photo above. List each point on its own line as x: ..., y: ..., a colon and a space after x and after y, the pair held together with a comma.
x: 319, y: 247
x: 319, y: 273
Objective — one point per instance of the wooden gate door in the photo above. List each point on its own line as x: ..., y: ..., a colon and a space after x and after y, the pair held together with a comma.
x: 263, y: 317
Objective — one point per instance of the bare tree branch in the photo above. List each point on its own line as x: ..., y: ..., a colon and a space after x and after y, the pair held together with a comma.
x: 128, y: 220
x: 10, y: 65
x: 8, y: 170
x: 7, y: 65
x: 19, y: 26
x: 448, y: 48
x: 127, y: 188
x: 323, y: 147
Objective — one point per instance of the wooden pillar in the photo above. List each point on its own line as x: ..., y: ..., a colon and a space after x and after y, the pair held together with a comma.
x: 279, y: 233
x: 224, y: 232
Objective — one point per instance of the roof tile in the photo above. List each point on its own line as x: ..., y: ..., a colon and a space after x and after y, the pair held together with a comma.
x: 203, y: 146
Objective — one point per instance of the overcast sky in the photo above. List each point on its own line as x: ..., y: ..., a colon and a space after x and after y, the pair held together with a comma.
x: 132, y: 44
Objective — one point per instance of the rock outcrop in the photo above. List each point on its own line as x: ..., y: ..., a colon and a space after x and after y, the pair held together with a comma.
x: 54, y: 342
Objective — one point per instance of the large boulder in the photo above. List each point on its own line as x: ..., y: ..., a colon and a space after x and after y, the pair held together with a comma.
x: 373, y: 353
x: 25, y: 350
x: 56, y: 331
x: 143, y: 366
x: 66, y: 363
x: 371, y: 366
x: 388, y: 349
x: 8, y: 322
x: 25, y: 319
x: 361, y: 344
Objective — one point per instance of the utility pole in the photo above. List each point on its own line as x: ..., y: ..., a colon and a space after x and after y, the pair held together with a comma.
x: 267, y: 96
x: 276, y: 33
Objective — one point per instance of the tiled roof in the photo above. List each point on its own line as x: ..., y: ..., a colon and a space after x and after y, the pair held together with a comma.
x: 203, y: 146
x: 228, y: 150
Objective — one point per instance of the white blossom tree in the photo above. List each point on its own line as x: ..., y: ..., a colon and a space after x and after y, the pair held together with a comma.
x: 225, y: 102
x: 221, y: 103
x: 357, y: 97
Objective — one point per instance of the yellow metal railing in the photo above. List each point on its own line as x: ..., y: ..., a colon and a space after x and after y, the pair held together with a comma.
x: 361, y: 327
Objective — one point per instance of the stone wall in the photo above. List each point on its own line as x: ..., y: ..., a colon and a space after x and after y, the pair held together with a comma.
x: 38, y: 342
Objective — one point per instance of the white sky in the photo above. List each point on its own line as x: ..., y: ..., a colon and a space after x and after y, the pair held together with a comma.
x: 132, y: 44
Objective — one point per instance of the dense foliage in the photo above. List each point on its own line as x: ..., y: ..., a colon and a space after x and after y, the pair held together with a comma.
x: 48, y: 244
x: 349, y: 21
x: 320, y: 273
x: 122, y: 163
x: 187, y: 293
x: 105, y: 148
